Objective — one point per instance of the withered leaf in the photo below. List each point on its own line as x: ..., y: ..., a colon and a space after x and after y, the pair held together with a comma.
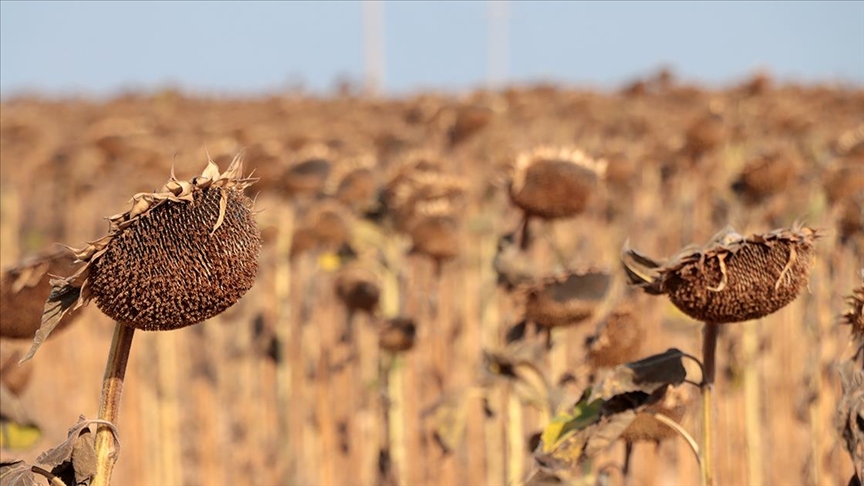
x: 646, y: 375
x: 62, y: 299
x: 17, y: 473
x: 605, y: 411
x: 84, y: 456
x: 79, y: 438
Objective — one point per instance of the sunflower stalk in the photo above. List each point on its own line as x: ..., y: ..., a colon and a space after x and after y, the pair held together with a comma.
x: 109, y: 404
x: 709, y: 349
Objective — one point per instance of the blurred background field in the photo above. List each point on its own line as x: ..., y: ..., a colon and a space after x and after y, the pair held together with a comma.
x: 266, y: 393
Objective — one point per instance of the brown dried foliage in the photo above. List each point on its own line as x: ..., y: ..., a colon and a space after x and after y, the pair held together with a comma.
x: 23, y: 290
x: 647, y: 428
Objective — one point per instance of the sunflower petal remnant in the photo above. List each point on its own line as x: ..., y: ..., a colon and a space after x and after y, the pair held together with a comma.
x: 177, y: 257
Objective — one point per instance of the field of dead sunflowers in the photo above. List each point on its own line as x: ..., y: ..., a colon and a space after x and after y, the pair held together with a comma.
x: 440, y: 279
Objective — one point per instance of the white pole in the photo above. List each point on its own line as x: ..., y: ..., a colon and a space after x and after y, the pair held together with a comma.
x: 373, y: 46
x: 497, y: 42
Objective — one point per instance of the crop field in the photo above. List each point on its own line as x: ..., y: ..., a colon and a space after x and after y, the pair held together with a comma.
x: 383, y: 339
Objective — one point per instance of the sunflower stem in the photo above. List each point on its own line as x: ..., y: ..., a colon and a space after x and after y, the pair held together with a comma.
x: 109, y: 404
x: 709, y: 348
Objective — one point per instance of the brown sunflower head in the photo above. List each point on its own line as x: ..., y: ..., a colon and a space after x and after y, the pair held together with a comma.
x: 309, y: 172
x: 618, y: 338
x: 765, y: 175
x: 732, y: 278
x: 566, y: 299
x: 179, y: 256
x: 554, y: 182
x: 354, y: 183
x: 397, y: 335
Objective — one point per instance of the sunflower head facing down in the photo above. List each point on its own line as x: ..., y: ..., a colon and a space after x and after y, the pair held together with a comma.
x: 177, y: 257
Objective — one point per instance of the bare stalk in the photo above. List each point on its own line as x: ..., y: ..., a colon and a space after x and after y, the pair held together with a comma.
x: 682, y: 432
x: 109, y: 404
x: 709, y: 348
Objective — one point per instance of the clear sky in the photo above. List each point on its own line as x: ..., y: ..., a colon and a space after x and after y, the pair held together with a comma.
x: 247, y: 47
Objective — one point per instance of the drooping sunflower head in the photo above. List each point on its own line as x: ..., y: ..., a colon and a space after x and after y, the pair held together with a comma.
x: 554, y: 182
x: 732, y: 278
x: 179, y: 256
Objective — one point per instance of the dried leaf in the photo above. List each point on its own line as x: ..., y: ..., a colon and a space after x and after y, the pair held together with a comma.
x: 17, y: 473
x: 84, y: 456
x: 64, y: 452
x: 605, y: 411
x: 584, y: 413
x: 646, y: 375
x: 63, y: 299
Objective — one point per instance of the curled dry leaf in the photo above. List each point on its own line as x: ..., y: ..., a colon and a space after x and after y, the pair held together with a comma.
x: 72, y: 460
x: 78, y: 439
x: 604, y: 412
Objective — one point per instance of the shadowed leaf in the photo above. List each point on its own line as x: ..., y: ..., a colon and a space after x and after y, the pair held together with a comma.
x: 605, y: 411
x: 62, y: 299
x: 78, y: 450
x: 646, y: 375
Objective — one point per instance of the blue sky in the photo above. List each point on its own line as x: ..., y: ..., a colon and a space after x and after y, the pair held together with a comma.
x: 249, y: 47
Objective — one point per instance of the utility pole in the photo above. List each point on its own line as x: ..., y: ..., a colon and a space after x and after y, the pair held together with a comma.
x: 497, y: 42
x: 373, y: 46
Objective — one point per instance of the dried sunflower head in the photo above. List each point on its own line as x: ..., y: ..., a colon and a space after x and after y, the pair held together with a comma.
x: 398, y: 334
x: 566, y: 299
x: 179, y: 256
x: 554, y: 183
x: 732, y: 278
x: 618, y: 338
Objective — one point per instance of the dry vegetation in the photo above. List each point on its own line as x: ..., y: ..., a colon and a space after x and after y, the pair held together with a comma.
x: 406, y: 220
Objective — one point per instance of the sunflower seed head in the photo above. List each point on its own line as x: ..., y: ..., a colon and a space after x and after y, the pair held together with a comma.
x: 178, y: 257
x: 733, y: 279
x: 565, y: 299
x: 554, y: 182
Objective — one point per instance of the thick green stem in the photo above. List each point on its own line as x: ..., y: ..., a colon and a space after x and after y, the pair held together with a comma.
x: 109, y: 404
x: 709, y: 348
